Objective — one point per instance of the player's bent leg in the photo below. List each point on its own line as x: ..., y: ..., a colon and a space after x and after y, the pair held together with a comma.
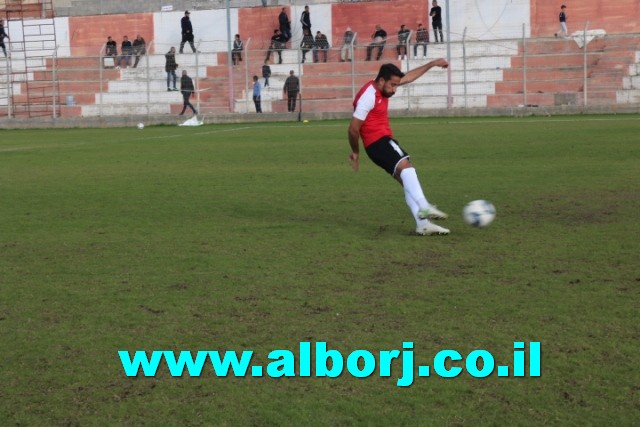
x: 406, y: 174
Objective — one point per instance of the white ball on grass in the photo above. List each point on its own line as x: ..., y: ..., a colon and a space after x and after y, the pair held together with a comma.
x: 479, y: 213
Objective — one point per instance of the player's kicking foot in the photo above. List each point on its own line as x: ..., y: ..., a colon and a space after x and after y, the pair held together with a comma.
x: 432, y: 213
x: 430, y: 229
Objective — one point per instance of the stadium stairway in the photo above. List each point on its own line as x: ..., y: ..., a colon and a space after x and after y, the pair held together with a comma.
x: 630, y: 94
x: 555, y: 73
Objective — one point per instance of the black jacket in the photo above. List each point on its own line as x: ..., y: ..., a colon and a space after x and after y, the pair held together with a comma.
x: 186, y: 85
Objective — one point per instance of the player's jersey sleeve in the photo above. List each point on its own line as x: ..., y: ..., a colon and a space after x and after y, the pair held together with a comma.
x: 365, y: 103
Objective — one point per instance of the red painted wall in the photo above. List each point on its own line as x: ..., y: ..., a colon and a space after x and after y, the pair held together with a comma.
x: 259, y: 23
x: 618, y: 16
x: 89, y: 33
x: 363, y: 17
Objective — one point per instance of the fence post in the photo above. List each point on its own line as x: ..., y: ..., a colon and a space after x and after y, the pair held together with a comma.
x: 353, y: 66
x: 449, y: 83
x: 197, y: 75
x: 9, y: 89
x: 524, y: 65
x: 246, y: 76
x: 101, y: 74
x: 54, y: 76
x: 148, y: 74
x: 584, y: 47
x: 464, y: 65
x: 407, y: 48
x: 229, y: 61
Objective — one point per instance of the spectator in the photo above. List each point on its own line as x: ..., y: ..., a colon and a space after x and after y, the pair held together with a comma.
x: 379, y: 40
x: 285, y: 24
x: 266, y: 73
x: 111, y: 48
x: 403, y: 38
x: 139, y: 49
x: 307, y: 44
x: 277, y: 44
x: 187, y: 32
x: 347, y: 40
x: 126, y: 49
x: 291, y: 89
x: 422, y: 38
x: 236, y: 52
x: 170, y: 67
x: 187, y: 89
x: 321, y: 45
x: 436, y: 21
x: 256, y: 94
x: 305, y: 19
x: 111, y: 53
x: 3, y: 35
x: 564, y: 32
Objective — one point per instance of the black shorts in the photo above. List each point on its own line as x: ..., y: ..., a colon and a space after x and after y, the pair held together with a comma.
x: 386, y: 153
x: 436, y: 25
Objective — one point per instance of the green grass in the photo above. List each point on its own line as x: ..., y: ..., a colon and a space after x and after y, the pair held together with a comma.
x: 260, y: 236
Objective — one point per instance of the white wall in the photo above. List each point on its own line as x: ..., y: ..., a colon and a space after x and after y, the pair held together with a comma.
x: 487, y: 19
x: 209, y: 26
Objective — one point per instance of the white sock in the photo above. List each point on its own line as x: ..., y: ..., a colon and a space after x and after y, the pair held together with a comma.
x: 414, y: 208
x: 412, y: 187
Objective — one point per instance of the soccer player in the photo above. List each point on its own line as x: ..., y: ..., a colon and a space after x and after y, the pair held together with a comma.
x: 370, y: 122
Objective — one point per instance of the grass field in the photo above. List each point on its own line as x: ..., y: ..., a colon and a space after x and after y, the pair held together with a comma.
x: 260, y: 236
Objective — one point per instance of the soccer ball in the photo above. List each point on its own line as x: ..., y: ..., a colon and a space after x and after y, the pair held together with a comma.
x: 140, y: 126
x: 479, y: 213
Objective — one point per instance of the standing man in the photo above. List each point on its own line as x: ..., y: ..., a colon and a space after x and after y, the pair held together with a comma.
x: 564, y: 32
x: 187, y: 88
x: 305, y: 19
x: 436, y: 21
x: 139, y: 49
x: 3, y: 35
x: 256, y: 94
x: 291, y: 90
x: 422, y: 38
x: 285, y: 24
x: 187, y: 32
x: 266, y: 73
x: 345, y: 51
x: 370, y: 122
x: 170, y: 67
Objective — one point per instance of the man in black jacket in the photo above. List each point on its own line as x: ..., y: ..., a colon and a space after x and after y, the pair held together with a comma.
x: 277, y: 44
x: 186, y: 86
x: 139, y: 49
x: 187, y: 32
x: 291, y: 89
x: 285, y: 24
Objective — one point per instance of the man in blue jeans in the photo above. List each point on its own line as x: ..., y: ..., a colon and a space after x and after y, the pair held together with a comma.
x: 170, y: 67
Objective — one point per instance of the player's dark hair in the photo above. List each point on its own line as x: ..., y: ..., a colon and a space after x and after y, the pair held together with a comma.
x: 388, y: 70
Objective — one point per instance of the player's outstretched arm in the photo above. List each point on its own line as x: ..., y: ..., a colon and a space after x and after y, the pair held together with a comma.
x: 417, y: 72
x: 354, y: 139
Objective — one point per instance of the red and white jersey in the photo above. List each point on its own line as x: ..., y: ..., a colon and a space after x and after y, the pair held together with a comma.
x: 371, y: 107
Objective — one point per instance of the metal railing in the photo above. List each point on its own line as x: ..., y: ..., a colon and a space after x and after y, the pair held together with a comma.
x: 582, y: 71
